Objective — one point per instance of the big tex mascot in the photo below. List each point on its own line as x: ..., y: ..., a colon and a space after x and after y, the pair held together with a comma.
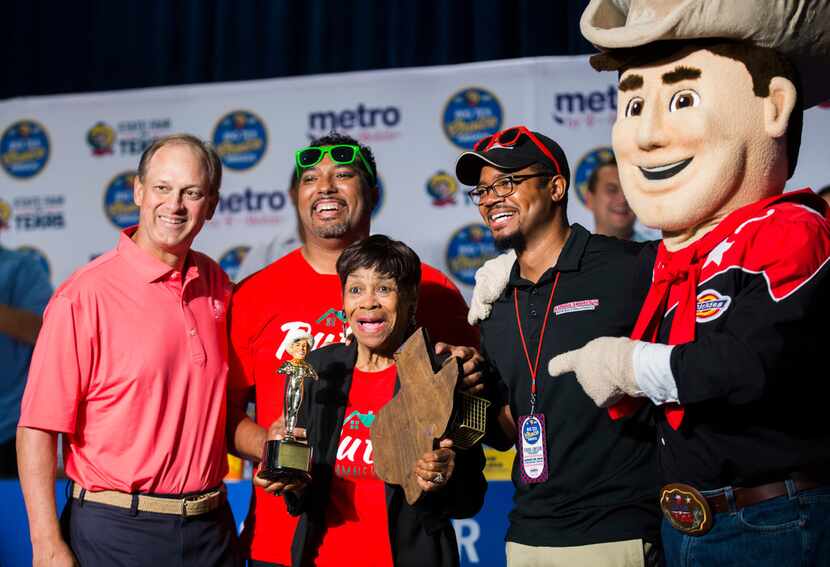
x: 730, y: 345
x: 731, y: 341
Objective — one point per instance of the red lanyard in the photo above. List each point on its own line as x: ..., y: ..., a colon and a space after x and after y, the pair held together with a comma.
x: 534, y: 368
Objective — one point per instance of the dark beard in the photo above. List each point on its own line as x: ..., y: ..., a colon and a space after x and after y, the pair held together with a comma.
x: 338, y: 230
x: 515, y: 241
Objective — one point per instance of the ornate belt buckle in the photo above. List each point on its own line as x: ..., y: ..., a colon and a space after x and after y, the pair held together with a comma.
x: 686, y: 509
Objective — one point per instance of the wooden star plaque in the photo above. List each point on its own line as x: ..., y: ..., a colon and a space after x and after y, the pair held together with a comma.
x: 408, y: 425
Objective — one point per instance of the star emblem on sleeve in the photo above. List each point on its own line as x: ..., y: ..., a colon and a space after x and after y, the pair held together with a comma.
x: 716, y: 255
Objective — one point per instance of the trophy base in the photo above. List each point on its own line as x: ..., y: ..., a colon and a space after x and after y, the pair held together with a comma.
x: 286, y: 461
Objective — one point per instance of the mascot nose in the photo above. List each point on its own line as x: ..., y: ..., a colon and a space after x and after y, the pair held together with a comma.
x: 651, y: 131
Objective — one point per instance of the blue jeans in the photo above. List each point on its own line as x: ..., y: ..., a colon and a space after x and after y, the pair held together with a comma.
x: 791, y: 530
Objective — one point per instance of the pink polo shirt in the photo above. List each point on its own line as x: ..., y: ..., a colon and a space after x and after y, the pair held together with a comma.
x: 131, y: 363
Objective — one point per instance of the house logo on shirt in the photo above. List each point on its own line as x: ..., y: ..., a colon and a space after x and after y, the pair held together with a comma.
x: 355, y: 454
x: 331, y: 317
x: 711, y: 305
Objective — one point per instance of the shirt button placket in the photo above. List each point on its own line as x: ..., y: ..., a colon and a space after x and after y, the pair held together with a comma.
x: 197, y: 349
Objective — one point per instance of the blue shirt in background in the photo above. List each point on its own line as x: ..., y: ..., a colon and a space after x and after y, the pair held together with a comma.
x: 24, y: 284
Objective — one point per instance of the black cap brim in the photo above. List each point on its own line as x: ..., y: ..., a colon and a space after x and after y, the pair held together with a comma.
x: 469, y: 164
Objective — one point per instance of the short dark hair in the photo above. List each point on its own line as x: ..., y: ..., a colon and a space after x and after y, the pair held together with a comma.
x: 823, y: 191
x: 594, y: 177
x: 537, y: 167
x: 762, y: 63
x: 210, y: 159
x: 391, y: 258
x: 334, y: 138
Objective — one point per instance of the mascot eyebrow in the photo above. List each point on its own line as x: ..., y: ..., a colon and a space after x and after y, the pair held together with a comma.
x: 681, y: 73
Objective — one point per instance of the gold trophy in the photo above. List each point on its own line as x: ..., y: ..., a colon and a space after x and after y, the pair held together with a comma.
x: 289, y: 459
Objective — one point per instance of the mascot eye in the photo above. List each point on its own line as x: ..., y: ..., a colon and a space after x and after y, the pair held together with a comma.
x: 634, y: 107
x: 684, y: 99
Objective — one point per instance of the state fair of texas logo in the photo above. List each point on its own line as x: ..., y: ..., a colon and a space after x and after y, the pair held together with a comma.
x: 711, y: 305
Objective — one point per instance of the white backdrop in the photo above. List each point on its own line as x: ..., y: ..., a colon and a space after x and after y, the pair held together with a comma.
x: 67, y: 160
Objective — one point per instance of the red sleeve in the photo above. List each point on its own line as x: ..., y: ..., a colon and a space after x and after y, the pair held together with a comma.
x: 443, y: 311
x: 61, y: 368
x: 240, y: 360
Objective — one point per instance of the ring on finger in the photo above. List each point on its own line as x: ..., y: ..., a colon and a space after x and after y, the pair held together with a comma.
x: 438, y: 479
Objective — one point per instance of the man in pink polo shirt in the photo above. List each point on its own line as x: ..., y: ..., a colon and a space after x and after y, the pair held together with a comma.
x: 131, y: 366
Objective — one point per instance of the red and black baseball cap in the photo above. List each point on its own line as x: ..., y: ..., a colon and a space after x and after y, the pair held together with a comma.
x: 510, y: 150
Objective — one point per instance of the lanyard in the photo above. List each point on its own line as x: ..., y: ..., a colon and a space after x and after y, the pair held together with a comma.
x: 534, y: 368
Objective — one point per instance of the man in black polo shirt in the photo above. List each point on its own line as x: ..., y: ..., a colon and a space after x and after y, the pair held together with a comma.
x: 586, y: 486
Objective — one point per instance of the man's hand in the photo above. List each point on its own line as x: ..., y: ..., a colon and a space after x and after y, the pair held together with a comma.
x: 434, y: 469
x: 471, y: 361
x: 54, y: 554
x: 604, y: 368
x: 277, y: 431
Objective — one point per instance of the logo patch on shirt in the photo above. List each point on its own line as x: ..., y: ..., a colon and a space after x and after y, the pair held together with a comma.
x: 218, y: 310
x: 573, y: 306
x: 711, y: 305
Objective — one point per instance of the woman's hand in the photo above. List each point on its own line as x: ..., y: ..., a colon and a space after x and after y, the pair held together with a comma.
x: 434, y: 469
x: 296, y: 486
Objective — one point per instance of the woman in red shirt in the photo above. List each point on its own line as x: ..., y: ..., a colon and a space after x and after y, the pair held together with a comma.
x: 349, y: 515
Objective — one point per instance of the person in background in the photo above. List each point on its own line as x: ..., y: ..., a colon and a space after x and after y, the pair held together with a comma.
x: 605, y: 199
x: 24, y: 292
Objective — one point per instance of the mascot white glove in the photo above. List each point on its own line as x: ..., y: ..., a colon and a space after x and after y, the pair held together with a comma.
x: 491, y: 279
x: 604, y: 368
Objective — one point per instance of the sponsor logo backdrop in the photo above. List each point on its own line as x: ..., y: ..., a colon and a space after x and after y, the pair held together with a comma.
x: 68, y: 161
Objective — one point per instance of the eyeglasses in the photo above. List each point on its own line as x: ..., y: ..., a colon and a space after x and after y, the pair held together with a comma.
x: 510, y: 137
x: 503, y: 187
x: 341, y: 154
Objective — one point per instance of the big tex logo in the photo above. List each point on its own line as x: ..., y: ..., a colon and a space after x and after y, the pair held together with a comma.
x: 129, y: 137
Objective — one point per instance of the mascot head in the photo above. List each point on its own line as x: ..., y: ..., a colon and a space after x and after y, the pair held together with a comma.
x: 710, y: 101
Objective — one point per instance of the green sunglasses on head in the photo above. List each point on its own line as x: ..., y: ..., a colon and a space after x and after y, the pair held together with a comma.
x: 341, y: 154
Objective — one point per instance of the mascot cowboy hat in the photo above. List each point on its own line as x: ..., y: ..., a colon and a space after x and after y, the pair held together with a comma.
x: 799, y: 29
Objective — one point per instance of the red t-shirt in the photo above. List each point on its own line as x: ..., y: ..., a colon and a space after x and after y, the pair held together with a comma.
x: 286, y: 295
x: 357, y: 501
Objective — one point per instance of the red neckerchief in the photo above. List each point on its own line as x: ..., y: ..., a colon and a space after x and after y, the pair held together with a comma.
x: 681, y: 270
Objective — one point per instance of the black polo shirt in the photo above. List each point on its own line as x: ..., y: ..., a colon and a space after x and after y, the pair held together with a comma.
x: 603, y: 479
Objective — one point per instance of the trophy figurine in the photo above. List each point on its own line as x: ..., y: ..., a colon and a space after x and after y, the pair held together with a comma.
x: 289, y: 459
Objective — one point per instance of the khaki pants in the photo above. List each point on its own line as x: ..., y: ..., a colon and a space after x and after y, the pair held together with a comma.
x: 629, y: 553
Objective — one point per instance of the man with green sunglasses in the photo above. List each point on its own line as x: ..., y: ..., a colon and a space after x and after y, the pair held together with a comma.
x: 341, y: 154
x: 334, y: 191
